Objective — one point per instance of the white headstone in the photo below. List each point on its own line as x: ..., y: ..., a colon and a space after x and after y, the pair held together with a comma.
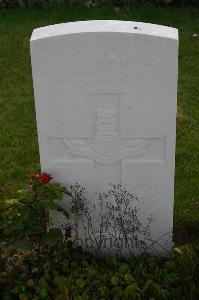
x: 105, y: 94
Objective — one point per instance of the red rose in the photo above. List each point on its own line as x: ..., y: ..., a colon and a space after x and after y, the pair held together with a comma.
x: 45, y: 178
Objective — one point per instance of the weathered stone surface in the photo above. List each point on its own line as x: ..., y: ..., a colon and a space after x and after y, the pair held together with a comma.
x: 105, y: 94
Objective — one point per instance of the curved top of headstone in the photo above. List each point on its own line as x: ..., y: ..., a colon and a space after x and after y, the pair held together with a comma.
x: 104, y: 26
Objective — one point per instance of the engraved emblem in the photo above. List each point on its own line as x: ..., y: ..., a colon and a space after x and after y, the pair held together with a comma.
x: 107, y: 147
x: 106, y: 123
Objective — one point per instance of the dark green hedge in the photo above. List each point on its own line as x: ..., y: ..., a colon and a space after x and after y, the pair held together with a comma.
x: 91, y: 3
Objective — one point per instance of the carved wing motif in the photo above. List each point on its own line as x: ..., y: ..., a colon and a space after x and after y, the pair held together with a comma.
x: 107, y: 150
x: 79, y: 148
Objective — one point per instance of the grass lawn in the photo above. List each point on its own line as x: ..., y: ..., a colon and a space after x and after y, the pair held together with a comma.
x: 19, y: 155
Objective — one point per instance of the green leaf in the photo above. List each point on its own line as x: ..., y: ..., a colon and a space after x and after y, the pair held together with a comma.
x: 80, y: 283
x: 23, y: 194
x: 65, y: 191
x: 129, y: 279
x: 154, y: 289
x: 178, y: 250
x: 42, y: 288
x: 20, y: 192
x: 53, y: 237
x: 7, y: 203
x: 26, y: 200
x: 22, y: 246
x: 58, y: 194
x: 124, y: 268
x: 62, y: 284
x: 32, y: 227
x: 147, y: 284
x: 52, y: 205
x: 111, y: 260
x: 26, y: 213
x: 164, y: 294
x: 131, y: 291
x: 55, y: 191
x: 66, y: 214
x: 115, y: 281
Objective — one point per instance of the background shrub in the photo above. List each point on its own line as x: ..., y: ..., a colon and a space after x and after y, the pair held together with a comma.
x: 68, y: 273
x: 91, y: 3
